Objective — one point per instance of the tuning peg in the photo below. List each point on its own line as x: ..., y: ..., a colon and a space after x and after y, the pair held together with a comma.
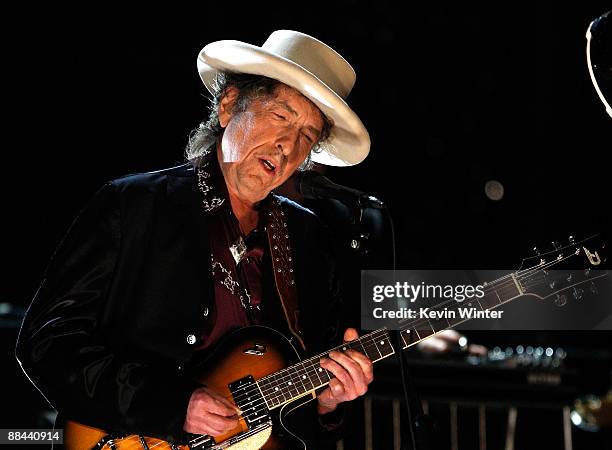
x: 587, y: 272
x: 577, y: 293
x: 536, y: 251
x: 560, y: 300
x: 593, y: 288
x: 555, y: 245
x: 572, y: 240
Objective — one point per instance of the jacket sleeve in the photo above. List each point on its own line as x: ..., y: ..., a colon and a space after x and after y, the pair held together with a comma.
x: 62, y: 347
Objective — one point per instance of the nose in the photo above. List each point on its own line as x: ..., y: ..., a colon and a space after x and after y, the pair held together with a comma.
x: 287, y: 141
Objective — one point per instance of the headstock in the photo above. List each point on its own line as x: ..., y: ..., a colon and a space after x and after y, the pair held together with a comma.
x: 561, y: 272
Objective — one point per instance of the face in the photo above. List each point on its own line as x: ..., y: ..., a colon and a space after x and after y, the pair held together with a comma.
x: 262, y: 146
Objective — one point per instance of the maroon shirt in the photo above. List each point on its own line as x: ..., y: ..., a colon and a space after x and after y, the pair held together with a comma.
x: 238, y: 287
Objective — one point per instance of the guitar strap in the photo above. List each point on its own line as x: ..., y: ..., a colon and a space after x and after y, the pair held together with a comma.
x: 282, y: 265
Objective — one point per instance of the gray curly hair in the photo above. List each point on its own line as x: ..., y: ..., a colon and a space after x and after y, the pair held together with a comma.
x: 250, y: 87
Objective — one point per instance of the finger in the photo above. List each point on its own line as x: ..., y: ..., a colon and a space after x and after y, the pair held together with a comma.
x: 216, y: 406
x: 336, y: 390
x: 205, y: 428
x: 347, y: 362
x: 207, y: 424
x: 332, y: 395
x: 358, y: 377
x: 359, y: 368
x: 326, y: 397
x: 211, y: 431
x: 350, y: 334
x: 364, y: 362
x: 231, y: 408
x: 219, y: 423
x: 340, y: 372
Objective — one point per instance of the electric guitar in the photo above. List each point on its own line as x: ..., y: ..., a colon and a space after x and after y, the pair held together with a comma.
x: 261, y: 372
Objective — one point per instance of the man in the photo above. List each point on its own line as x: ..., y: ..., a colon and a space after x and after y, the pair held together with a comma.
x: 161, y: 264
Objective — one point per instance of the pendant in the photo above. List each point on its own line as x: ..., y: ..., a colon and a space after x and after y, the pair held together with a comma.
x: 238, y: 249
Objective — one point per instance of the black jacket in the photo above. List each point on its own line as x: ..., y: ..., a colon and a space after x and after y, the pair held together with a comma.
x: 105, y: 337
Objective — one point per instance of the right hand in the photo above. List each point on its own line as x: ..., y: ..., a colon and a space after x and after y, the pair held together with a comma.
x: 209, y: 413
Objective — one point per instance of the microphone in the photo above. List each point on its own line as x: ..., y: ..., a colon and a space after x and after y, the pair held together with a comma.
x: 313, y: 185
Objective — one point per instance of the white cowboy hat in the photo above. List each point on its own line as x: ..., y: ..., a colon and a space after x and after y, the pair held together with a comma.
x: 309, y: 66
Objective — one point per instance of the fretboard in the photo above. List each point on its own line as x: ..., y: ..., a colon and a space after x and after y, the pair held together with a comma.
x: 453, y: 313
x: 306, y: 376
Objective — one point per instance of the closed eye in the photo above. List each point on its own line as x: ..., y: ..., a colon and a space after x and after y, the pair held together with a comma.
x: 279, y: 116
x: 308, y: 138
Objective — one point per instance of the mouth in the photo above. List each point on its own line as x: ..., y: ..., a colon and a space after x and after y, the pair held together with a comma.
x: 269, y: 166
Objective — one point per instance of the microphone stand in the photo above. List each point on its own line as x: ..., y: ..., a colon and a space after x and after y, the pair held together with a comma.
x: 318, y: 186
x: 419, y: 424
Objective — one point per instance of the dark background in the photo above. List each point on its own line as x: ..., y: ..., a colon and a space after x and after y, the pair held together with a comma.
x: 453, y: 94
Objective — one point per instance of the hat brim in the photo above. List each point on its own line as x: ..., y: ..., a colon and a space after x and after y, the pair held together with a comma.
x: 349, y: 141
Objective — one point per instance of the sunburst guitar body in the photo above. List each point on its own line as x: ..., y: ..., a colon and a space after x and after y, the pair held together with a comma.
x: 232, y: 370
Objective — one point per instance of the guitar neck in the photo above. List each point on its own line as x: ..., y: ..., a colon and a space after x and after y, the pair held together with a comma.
x: 451, y: 313
x: 306, y: 376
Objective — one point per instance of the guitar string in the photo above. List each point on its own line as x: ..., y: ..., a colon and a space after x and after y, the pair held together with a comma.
x: 371, y: 336
x: 495, y: 286
x: 534, y: 270
x: 498, y: 288
x: 490, y: 287
x: 367, y: 340
x: 201, y: 439
x: 309, y: 367
x: 270, y: 396
x: 415, y: 324
x: 543, y: 282
x: 311, y: 363
x: 407, y: 324
x: 308, y: 364
x: 295, y: 372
